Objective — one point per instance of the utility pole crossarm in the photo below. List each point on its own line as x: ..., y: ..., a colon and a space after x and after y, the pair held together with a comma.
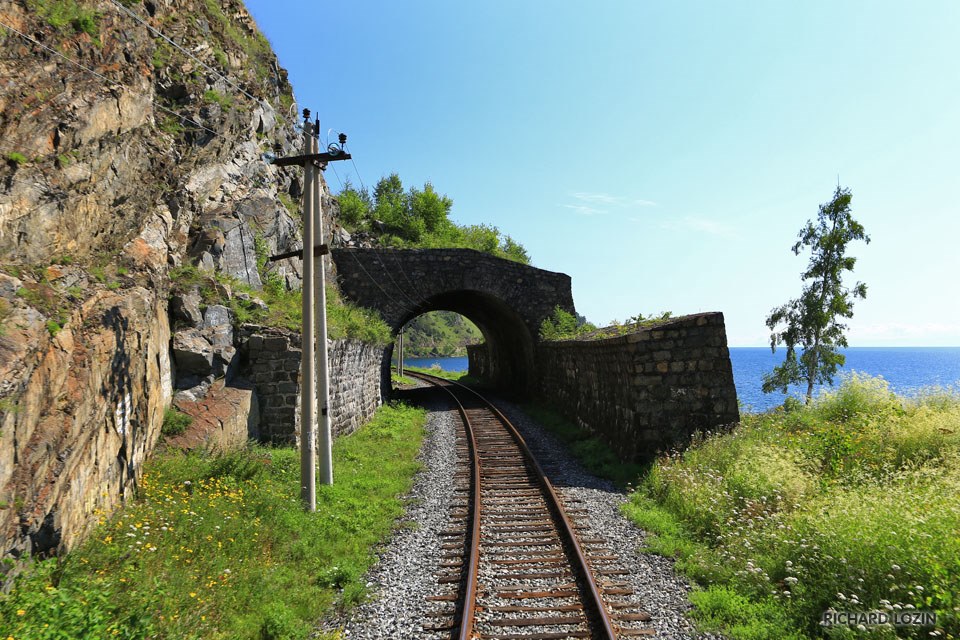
x: 310, y: 157
x: 318, y: 250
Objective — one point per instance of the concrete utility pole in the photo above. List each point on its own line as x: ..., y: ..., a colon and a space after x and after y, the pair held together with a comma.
x: 326, y: 437
x: 308, y: 385
x: 400, y: 356
x: 313, y: 347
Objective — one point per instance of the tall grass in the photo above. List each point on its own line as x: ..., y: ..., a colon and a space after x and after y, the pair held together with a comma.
x: 220, y: 547
x: 852, y: 503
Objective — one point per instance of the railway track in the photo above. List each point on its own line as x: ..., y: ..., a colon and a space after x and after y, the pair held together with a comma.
x: 519, y: 563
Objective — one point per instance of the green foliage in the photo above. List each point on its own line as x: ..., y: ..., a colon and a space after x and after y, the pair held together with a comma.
x: 53, y: 328
x: 220, y: 546
x: 175, y: 422
x: 811, y: 322
x: 43, y: 297
x: 401, y: 380
x: 253, y: 44
x: 16, y: 158
x: 439, y: 333
x: 221, y: 57
x: 271, y: 279
x: 162, y: 55
x: 346, y: 320
x: 420, y: 218
x: 566, y: 326
x: 292, y: 207
x: 563, y: 325
x: 284, y: 307
x: 171, y: 124
x: 851, y: 502
x: 215, y: 97
x: 5, y: 313
x: 61, y: 14
x: 595, y: 455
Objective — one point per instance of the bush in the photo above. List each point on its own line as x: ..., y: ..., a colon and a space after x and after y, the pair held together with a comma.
x: 563, y: 325
x: 852, y: 502
x: 174, y: 422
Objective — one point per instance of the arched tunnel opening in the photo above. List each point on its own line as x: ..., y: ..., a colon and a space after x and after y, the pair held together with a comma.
x: 507, y: 341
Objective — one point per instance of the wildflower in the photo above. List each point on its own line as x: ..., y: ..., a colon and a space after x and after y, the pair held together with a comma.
x: 21, y: 612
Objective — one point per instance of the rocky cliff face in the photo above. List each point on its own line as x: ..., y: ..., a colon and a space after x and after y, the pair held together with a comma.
x: 140, y: 160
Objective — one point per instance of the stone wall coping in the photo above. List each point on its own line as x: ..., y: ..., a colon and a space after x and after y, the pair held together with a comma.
x: 474, y: 254
x: 680, y: 322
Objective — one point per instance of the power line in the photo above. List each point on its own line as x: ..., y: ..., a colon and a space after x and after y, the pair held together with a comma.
x: 376, y: 252
x: 377, y: 282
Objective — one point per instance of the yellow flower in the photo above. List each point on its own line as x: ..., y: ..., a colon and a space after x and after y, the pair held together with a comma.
x: 21, y: 612
x: 193, y: 594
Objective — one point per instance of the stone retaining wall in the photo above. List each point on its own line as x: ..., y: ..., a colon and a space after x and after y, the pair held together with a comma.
x: 271, y: 360
x: 644, y: 392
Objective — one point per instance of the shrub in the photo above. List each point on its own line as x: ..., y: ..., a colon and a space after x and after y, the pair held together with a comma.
x: 175, y: 422
x: 852, y: 502
x: 562, y: 325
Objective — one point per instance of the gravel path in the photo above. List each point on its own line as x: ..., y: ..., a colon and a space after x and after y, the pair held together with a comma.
x: 404, y: 575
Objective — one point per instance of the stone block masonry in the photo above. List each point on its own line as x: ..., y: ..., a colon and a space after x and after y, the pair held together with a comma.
x: 644, y: 392
x: 271, y: 360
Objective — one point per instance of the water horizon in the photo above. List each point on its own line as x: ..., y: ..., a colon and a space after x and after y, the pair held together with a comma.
x: 908, y: 370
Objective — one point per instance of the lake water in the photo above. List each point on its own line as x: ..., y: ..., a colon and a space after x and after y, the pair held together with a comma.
x: 907, y: 369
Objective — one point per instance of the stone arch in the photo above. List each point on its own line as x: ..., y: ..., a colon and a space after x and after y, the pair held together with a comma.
x: 506, y: 300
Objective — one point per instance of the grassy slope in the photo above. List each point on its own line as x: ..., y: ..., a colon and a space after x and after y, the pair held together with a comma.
x: 851, y: 503
x: 219, y: 547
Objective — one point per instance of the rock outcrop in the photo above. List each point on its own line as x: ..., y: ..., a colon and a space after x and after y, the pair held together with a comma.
x: 126, y: 158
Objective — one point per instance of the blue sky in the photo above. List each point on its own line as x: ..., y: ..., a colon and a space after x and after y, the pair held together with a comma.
x: 663, y: 154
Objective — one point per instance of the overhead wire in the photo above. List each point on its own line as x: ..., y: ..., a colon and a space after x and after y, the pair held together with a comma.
x: 413, y: 287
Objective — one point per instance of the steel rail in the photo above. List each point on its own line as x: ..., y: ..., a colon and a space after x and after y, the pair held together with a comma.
x: 595, y: 599
x: 470, y: 594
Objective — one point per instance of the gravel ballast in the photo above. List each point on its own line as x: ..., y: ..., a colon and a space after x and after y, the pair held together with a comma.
x: 403, y: 577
